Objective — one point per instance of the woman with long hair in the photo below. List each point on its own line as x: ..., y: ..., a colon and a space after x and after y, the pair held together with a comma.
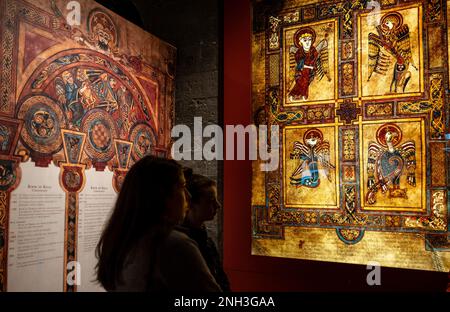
x: 139, y: 249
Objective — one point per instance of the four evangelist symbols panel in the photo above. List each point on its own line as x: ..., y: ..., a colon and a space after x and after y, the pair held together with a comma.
x: 359, y: 95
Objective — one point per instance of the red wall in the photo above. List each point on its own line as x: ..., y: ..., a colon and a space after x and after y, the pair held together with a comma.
x: 256, y: 273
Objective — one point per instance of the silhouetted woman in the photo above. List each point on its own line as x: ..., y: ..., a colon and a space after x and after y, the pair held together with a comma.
x: 139, y: 250
x: 204, y: 206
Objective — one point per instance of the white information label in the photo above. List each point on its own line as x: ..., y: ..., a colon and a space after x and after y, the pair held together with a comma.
x: 97, y: 200
x: 36, y: 231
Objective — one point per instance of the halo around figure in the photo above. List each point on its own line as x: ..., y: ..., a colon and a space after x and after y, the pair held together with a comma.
x: 392, y: 128
x: 394, y: 17
x: 313, y: 133
x: 303, y: 32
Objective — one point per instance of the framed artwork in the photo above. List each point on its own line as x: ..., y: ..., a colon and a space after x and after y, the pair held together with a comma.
x: 310, y: 63
x: 309, y: 167
x: 390, y: 53
x: 79, y: 105
x: 358, y: 90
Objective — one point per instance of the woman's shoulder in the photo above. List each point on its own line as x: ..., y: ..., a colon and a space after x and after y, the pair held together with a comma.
x: 177, y: 238
x: 180, y: 245
x: 192, y: 272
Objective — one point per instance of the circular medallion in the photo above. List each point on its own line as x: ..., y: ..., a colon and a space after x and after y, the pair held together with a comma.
x: 100, y: 130
x: 100, y: 135
x: 143, y: 140
x: 350, y: 236
x: 43, y: 120
x: 102, y: 27
x: 119, y: 178
x: 119, y: 181
x: 72, y: 179
x: 7, y: 175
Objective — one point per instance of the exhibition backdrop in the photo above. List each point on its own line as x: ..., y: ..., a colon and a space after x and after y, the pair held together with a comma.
x: 358, y: 89
x: 82, y: 97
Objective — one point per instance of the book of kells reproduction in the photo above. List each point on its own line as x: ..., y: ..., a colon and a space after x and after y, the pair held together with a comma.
x: 83, y: 95
x: 359, y: 90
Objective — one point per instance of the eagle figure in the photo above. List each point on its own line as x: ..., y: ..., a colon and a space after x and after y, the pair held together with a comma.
x: 387, y: 162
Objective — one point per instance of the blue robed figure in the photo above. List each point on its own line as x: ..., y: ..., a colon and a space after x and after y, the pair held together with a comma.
x: 313, y: 152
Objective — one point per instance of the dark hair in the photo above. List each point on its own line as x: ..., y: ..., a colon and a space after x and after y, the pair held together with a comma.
x: 196, y: 183
x: 140, y: 208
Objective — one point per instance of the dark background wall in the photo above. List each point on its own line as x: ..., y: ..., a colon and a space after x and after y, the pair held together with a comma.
x: 192, y: 26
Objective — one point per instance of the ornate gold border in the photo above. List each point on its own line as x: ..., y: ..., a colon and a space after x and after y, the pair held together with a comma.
x: 82, y: 167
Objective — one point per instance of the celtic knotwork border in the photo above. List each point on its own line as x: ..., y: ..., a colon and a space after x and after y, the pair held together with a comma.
x: 430, y: 108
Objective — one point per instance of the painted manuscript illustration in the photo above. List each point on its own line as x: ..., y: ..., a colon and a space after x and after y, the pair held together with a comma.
x: 390, y: 52
x: 358, y: 91
x: 94, y: 96
x: 393, y: 155
x: 386, y: 163
x: 310, y: 63
x: 310, y: 158
x: 392, y: 40
x: 312, y: 153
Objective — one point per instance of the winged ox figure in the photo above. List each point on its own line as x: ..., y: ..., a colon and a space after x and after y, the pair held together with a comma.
x: 313, y: 155
x: 391, y: 44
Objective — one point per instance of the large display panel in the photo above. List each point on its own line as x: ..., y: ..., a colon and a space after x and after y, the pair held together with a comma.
x: 84, y: 94
x: 358, y: 89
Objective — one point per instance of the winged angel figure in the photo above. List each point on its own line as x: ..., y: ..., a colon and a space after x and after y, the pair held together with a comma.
x: 387, y: 162
x: 391, y: 44
x: 313, y: 153
x: 309, y: 62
